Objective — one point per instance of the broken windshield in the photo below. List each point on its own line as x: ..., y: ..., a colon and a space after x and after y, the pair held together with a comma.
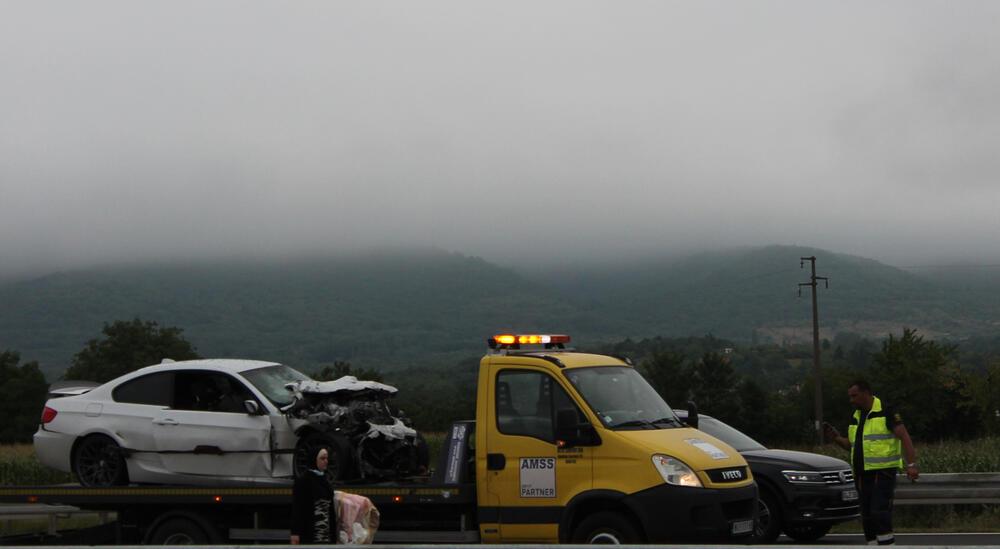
x: 271, y: 381
x: 621, y: 398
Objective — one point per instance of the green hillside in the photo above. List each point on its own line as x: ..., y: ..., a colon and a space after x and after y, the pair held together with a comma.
x: 392, y: 311
x: 396, y: 311
x: 754, y: 293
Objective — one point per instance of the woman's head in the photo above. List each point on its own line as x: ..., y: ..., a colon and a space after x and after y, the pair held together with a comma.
x: 322, y: 459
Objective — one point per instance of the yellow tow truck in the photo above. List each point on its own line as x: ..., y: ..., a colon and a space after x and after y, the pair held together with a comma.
x: 566, y: 447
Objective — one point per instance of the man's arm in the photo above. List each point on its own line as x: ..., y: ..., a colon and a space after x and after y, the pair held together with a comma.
x: 832, y: 435
x: 912, y: 472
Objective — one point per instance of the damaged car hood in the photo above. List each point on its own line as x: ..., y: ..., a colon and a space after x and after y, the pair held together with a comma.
x: 344, y: 385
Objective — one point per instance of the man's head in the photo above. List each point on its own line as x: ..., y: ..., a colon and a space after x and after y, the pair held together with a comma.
x: 860, y: 394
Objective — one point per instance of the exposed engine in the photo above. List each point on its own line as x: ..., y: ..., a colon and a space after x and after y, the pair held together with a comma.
x: 384, y: 445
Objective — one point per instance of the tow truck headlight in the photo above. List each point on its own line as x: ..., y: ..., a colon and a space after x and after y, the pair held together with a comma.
x: 803, y: 477
x: 675, y: 471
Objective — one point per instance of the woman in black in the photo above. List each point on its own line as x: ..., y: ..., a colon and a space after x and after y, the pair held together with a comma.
x: 314, y: 518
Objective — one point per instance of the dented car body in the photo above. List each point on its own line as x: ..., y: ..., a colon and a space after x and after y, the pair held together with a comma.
x: 221, y: 422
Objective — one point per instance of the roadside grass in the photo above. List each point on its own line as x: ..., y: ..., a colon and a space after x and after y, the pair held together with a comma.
x: 41, y: 525
x: 973, y: 456
x: 434, y: 443
x: 20, y: 467
x: 936, y: 518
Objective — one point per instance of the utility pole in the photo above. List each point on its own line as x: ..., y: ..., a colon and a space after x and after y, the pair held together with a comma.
x: 817, y: 373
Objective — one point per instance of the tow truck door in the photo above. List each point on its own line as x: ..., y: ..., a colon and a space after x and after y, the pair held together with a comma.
x: 208, y: 435
x: 527, y: 474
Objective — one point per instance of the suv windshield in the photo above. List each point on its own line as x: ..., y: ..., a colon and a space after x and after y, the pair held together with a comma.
x: 729, y: 435
x: 621, y: 398
x: 271, y: 381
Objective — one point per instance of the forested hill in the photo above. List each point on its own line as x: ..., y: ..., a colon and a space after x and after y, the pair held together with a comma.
x: 754, y: 293
x: 391, y: 311
x: 394, y: 311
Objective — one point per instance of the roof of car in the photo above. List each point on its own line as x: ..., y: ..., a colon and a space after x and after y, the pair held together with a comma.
x: 224, y: 364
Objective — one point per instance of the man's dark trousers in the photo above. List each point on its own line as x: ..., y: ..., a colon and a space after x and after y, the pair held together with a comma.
x: 876, y: 489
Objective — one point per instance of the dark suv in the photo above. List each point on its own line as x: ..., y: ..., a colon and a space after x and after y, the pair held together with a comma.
x: 801, y: 494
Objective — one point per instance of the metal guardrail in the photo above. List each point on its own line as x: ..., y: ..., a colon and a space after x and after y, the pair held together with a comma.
x: 948, y: 488
x: 29, y: 511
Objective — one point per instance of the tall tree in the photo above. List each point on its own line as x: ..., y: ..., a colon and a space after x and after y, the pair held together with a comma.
x: 669, y: 375
x: 22, y: 395
x: 715, y: 384
x: 913, y: 373
x: 128, y: 345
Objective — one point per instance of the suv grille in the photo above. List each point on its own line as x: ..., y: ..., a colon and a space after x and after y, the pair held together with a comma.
x: 844, y: 476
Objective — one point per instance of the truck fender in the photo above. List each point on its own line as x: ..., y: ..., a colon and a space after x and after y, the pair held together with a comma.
x: 584, y: 503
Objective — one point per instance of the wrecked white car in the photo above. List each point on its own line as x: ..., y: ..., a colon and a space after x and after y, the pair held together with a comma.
x: 353, y: 419
x: 218, y: 422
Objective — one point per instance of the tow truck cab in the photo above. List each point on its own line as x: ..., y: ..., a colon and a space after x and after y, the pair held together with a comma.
x: 576, y: 447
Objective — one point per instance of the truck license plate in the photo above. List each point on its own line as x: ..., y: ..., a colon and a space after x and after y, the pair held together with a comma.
x: 849, y: 495
x: 742, y: 527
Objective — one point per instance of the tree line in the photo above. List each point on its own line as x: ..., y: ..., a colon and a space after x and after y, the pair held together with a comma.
x: 942, y: 390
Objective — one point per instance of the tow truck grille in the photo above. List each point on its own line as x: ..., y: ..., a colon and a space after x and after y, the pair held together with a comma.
x: 844, y: 476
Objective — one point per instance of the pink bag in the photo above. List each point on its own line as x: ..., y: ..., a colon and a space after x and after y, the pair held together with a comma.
x: 357, y: 518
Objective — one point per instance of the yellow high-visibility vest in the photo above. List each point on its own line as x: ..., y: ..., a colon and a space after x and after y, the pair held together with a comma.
x: 882, y: 450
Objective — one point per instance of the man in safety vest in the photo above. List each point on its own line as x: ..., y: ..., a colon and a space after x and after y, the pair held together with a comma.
x: 878, y: 442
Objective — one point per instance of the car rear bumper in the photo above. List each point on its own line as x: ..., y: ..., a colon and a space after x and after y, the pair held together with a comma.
x: 53, y: 449
x: 675, y: 513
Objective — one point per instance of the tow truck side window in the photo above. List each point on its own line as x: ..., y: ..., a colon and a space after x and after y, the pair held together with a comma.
x: 526, y: 404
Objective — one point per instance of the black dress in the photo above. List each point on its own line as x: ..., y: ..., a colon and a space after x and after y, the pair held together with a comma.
x: 314, y: 517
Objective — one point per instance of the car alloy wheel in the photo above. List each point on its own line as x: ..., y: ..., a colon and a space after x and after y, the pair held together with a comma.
x: 99, y: 462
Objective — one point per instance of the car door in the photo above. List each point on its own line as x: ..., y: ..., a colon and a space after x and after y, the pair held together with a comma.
x: 134, y: 405
x: 207, y: 432
x: 529, y: 475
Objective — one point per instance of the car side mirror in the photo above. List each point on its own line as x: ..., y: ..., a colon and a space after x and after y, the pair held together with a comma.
x: 692, y: 418
x: 570, y: 431
x: 252, y: 407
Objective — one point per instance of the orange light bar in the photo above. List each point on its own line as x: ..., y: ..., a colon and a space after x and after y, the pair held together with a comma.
x: 530, y: 339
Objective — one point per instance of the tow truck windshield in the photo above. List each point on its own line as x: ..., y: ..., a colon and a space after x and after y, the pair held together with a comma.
x: 622, y: 399
x: 271, y: 381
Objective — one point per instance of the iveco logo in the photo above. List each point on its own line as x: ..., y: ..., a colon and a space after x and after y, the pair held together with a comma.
x: 734, y: 474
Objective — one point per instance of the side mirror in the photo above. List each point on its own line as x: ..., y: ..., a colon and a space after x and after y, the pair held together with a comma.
x: 571, y: 432
x: 692, y: 419
x: 252, y: 407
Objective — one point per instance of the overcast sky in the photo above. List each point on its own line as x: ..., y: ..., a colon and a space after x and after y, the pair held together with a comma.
x: 504, y: 129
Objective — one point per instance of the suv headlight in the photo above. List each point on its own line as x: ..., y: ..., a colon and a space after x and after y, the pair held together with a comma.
x: 675, y: 471
x: 803, y: 477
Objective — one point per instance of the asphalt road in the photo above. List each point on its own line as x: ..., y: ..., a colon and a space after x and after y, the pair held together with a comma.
x: 946, y: 539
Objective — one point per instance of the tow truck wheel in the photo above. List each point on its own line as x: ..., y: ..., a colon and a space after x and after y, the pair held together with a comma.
x: 179, y: 531
x: 607, y: 528
x: 807, y: 533
x: 768, y: 525
x: 338, y: 448
x: 98, y: 462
